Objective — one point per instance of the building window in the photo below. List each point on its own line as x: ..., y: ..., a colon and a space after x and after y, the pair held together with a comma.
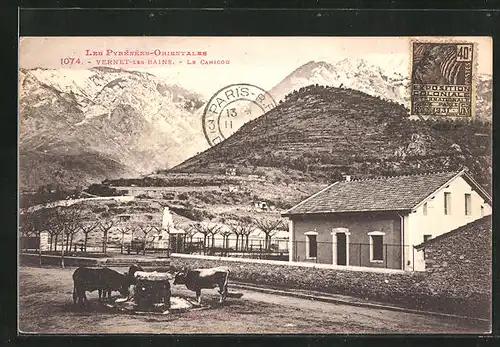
x: 468, y: 205
x: 376, y: 246
x: 447, y: 203
x: 425, y: 209
x: 311, y: 245
x: 427, y: 237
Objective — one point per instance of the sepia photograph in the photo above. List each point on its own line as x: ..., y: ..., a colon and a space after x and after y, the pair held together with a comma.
x: 255, y: 185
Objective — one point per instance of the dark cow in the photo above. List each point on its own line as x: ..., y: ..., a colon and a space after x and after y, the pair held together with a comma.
x: 130, y: 280
x: 103, y: 279
x: 199, y: 279
x: 133, y: 269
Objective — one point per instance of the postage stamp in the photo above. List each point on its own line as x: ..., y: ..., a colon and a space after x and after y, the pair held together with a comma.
x: 231, y: 107
x: 442, y: 79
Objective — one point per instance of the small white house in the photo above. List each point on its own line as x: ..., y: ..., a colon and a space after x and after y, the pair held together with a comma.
x: 261, y: 205
x: 162, y: 239
x: 231, y: 171
x: 377, y: 222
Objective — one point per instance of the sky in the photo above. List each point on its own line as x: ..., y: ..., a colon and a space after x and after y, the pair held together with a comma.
x: 263, y: 61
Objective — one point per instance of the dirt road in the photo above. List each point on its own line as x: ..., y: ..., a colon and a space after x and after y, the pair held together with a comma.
x: 45, y: 306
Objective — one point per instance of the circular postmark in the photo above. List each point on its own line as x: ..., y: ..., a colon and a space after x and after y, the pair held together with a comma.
x: 231, y: 107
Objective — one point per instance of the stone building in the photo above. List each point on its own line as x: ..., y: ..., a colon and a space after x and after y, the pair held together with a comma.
x: 461, y: 260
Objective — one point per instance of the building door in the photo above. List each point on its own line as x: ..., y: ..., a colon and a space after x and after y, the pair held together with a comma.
x: 341, y: 249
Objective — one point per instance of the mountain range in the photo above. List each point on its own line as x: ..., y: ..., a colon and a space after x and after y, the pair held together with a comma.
x: 80, y: 126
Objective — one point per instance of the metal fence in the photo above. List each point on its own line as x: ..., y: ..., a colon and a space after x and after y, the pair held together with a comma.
x: 244, y: 248
x: 136, y: 246
x: 389, y: 256
x: 376, y: 254
x: 253, y: 249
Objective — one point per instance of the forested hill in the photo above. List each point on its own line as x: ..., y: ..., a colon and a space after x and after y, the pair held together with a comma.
x: 324, y: 132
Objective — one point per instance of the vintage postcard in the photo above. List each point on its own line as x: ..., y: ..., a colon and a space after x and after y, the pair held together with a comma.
x: 292, y: 185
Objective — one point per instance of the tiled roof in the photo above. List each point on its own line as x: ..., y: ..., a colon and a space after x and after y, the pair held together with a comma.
x: 482, y: 225
x: 380, y: 194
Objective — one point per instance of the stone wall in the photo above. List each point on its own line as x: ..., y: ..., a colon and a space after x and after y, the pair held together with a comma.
x: 159, y: 264
x: 70, y: 202
x: 53, y: 260
x: 459, y: 262
x: 409, y: 289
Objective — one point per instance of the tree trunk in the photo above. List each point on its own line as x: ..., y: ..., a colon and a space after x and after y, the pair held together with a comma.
x: 50, y: 241
x: 85, y: 241
x: 62, y: 253
x: 67, y: 242
x: 144, y: 245
x: 104, y: 241
x: 55, y: 242
x: 71, y: 241
x: 40, y: 249
x: 237, y: 241
x: 123, y: 237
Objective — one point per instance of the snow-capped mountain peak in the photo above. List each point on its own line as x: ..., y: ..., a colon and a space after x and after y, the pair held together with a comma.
x: 384, y: 76
x: 356, y: 73
x: 128, y: 117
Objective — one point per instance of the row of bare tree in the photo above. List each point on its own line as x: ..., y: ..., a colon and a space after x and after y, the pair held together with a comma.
x: 241, y: 229
x: 66, y: 222
x: 63, y: 222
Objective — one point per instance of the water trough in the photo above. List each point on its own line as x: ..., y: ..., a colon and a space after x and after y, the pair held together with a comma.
x: 151, y: 294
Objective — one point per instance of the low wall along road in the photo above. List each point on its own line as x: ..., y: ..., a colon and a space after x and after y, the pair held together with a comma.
x: 409, y: 289
x: 55, y: 260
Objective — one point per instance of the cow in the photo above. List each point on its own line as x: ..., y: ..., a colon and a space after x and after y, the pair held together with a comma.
x: 199, y: 279
x: 129, y: 278
x: 133, y: 269
x: 104, y: 280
